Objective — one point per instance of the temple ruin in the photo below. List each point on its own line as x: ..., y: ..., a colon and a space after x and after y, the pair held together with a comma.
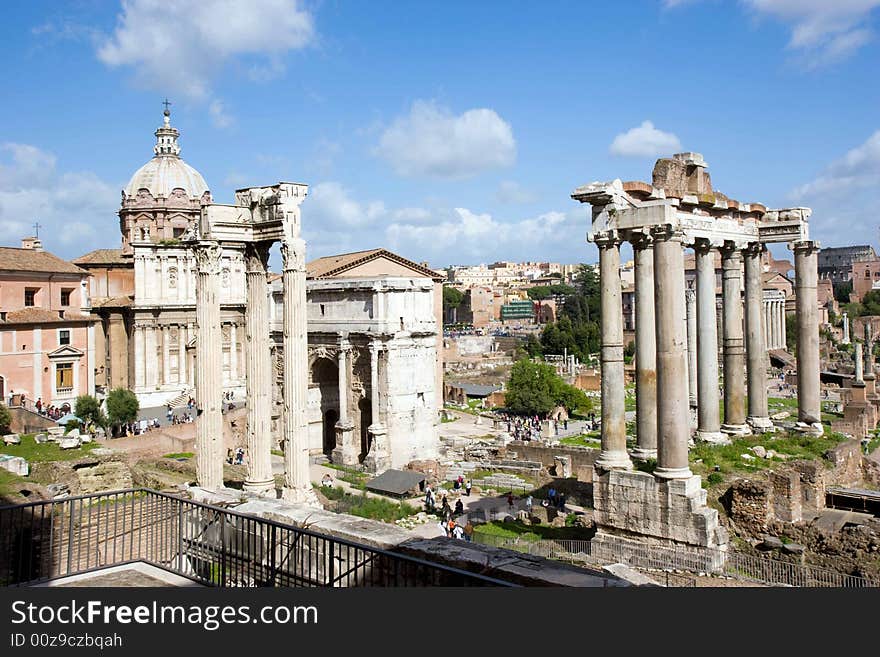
x: 679, y: 210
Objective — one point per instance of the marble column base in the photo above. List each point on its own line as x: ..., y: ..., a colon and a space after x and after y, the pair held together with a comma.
x: 673, y: 473
x: 736, y: 429
x: 761, y: 424
x: 345, y: 451
x: 642, y: 454
x: 613, y: 460
x: 304, y: 496
x: 713, y: 437
x: 814, y: 429
x: 377, y: 459
x: 263, y: 488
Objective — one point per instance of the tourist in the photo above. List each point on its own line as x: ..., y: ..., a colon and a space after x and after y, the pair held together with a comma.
x: 459, y: 507
x: 429, y: 499
x: 230, y: 456
x: 327, y: 480
x: 456, y: 485
x: 551, y: 495
x: 469, y: 532
x: 458, y: 532
x: 467, y: 488
x: 39, y: 405
x: 450, y: 527
x: 446, y: 509
x: 561, y: 502
x: 510, y: 499
x: 529, y: 505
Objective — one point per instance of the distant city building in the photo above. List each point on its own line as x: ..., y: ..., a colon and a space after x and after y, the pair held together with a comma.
x: 865, y: 277
x: 836, y: 263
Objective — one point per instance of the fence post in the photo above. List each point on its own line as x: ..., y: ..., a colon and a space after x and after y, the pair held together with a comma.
x: 223, y: 550
x: 70, y: 538
x: 180, y: 535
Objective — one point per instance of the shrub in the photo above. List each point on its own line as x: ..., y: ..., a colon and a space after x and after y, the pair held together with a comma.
x: 5, y: 419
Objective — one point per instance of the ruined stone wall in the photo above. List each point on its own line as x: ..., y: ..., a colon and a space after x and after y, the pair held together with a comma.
x: 748, y: 504
x: 847, y: 461
x: 579, y: 457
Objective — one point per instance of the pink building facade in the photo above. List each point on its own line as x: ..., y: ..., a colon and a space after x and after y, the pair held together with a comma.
x: 47, y: 339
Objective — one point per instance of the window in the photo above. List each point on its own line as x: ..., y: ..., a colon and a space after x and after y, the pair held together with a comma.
x: 64, y: 336
x: 30, y: 295
x: 64, y: 376
x: 65, y: 297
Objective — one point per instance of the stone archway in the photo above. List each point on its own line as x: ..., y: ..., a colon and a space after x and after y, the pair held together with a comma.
x: 365, y: 413
x: 324, y: 375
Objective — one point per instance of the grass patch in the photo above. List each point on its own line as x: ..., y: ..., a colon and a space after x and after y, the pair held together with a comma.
x: 525, y: 532
x: 179, y: 455
x: 591, y: 439
x: 34, y: 452
x: 374, y: 508
x: 277, y: 452
x: 648, y: 465
x: 9, y: 482
x: 729, y: 459
x: 447, y: 420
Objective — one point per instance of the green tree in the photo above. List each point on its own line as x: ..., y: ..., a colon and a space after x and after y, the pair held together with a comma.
x: 871, y: 303
x: 532, y: 346
x: 539, y: 292
x: 536, y: 389
x: 842, y: 291
x: 88, y: 409
x: 122, y: 407
x: 452, y: 297
x: 5, y: 419
x: 529, y: 390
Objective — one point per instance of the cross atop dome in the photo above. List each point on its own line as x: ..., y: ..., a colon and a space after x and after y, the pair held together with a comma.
x: 166, y: 136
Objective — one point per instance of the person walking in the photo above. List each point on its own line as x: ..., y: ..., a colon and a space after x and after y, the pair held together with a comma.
x: 469, y: 532
x: 467, y: 488
x: 529, y: 504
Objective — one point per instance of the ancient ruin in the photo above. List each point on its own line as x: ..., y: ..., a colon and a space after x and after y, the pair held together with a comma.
x: 260, y: 217
x: 680, y: 209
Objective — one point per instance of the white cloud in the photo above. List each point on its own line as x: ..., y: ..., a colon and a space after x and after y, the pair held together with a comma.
x: 329, y: 204
x: 432, y: 141
x: 180, y: 46
x: 235, y: 180
x: 462, y: 236
x: 73, y: 208
x: 219, y: 116
x: 645, y: 141
x: 843, y: 197
x: 510, y: 191
x: 859, y: 168
x: 822, y: 31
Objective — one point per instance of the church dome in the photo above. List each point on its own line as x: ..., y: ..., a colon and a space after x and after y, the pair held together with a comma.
x: 167, y: 171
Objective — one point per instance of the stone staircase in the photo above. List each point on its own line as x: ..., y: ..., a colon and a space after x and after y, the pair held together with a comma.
x: 181, y: 399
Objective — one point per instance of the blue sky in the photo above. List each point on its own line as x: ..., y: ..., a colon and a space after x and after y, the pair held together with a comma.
x: 452, y: 132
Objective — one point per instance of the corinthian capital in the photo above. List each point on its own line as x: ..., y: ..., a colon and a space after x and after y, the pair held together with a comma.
x: 293, y: 254
x: 207, y: 257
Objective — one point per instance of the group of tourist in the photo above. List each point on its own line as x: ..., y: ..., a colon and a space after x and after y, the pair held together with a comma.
x: 454, y: 530
x: 235, y: 457
x: 521, y: 427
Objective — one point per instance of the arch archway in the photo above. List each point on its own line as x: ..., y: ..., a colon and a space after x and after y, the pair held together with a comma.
x: 325, y: 377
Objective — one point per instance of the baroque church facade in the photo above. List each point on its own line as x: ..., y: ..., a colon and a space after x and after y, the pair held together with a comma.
x: 375, y: 323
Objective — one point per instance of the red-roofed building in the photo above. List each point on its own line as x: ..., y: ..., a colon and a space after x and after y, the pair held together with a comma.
x: 47, y: 337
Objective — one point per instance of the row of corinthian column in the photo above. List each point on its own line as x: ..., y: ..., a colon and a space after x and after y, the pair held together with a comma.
x: 663, y: 393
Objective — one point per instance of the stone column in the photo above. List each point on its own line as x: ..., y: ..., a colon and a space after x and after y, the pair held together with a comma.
x: 377, y: 459
x: 345, y: 451
x: 708, y: 421
x: 673, y: 426
x: 780, y: 324
x: 845, y: 339
x: 806, y: 281
x: 209, y: 420
x: 734, y: 351
x: 646, y: 350
x: 139, y: 356
x: 297, y: 482
x: 691, y: 312
x: 756, y: 350
x: 860, y: 365
x: 258, y: 365
x: 613, y: 455
x: 233, y: 346
x: 151, y: 364
x: 182, y: 377
x: 166, y: 355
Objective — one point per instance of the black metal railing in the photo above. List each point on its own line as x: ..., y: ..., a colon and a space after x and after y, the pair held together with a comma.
x: 214, y: 546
